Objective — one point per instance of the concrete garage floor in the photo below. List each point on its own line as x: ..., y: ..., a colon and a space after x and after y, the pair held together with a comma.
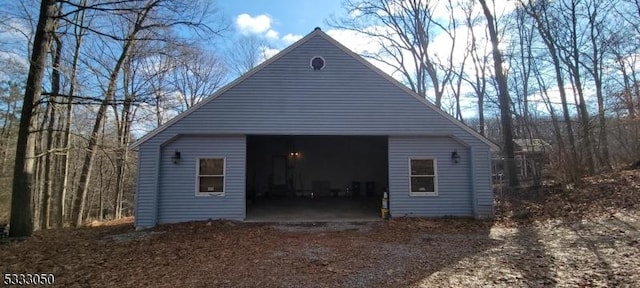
x: 339, y: 209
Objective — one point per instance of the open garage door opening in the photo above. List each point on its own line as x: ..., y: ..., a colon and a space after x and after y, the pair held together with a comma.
x: 315, y: 178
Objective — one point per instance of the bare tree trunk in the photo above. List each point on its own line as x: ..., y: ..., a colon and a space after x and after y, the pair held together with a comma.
x: 124, y: 125
x: 7, y: 125
x: 456, y: 87
x: 596, y: 67
x: 627, y: 93
x: 120, y: 180
x: 554, y: 121
x: 101, y: 188
x: 45, y: 202
x: 37, y: 125
x: 58, y: 174
x: 505, y: 101
x: 573, y: 62
x: 21, y: 217
x: 87, y: 167
x: 62, y: 192
x: 49, y: 155
x: 584, y: 118
x: 525, y: 36
x: 537, y: 13
x: 65, y: 163
x: 479, y: 83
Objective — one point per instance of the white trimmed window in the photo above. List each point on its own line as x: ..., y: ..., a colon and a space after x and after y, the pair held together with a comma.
x: 210, y: 176
x: 423, y: 177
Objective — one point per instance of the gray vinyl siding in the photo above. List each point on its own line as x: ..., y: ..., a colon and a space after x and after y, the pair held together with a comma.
x: 177, y: 199
x: 286, y: 97
x: 454, y: 180
x: 482, y: 182
x: 289, y: 98
x: 146, y: 187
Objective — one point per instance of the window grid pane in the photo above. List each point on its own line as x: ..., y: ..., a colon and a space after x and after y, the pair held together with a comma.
x: 422, y: 184
x: 422, y: 167
x: 211, y: 167
x: 211, y: 184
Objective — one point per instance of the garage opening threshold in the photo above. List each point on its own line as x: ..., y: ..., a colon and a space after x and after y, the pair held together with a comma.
x: 311, y: 220
x: 314, y: 210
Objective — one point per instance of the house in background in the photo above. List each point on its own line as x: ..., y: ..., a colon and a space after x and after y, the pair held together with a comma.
x: 531, y: 154
x: 315, y: 128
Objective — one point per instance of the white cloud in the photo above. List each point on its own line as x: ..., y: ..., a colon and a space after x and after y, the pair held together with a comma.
x: 257, y: 25
x: 355, y: 41
x: 363, y: 44
x: 248, y: 24
x: 15, y: 66
x: 272, y: 34
x: 13, y: 55
x: 290, y: 38
x: 267, y: 52
x: 15, y: 30
x: 355, y: 13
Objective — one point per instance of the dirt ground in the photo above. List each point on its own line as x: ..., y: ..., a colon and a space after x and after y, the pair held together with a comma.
x: 587, y: 236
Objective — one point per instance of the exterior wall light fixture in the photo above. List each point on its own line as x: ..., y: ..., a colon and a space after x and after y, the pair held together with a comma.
x: 175, y: 158
x: 455, y: 156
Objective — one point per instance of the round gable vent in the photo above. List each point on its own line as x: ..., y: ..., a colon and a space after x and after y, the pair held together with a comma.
x: 317, y: 63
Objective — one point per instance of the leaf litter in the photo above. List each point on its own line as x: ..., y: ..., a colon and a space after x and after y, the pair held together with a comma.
x: 586, y: 237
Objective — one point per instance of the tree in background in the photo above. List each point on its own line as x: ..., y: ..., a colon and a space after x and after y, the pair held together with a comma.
x: 21, y: 212
x: 62, y: 150
x: 406, y: 33
x: 246, y: 53
x: 478, y: 78
x: 565, y: 63
x: 195, y: 76
x: 504, y: 99
x: 142, y: 21
x: 11, y: 93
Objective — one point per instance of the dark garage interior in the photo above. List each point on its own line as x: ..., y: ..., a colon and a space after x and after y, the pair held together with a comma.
x: 315, y: 178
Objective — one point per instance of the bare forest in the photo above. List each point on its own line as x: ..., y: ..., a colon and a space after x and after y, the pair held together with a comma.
x: 83, y: 79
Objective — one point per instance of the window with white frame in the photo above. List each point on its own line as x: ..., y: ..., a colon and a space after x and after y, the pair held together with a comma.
x: 210, y: 176
x: 423, y: 177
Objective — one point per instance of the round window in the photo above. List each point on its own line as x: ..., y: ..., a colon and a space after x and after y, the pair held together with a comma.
x: 317, y: 63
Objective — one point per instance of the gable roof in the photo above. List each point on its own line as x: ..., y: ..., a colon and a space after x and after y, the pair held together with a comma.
x: 316, y: 33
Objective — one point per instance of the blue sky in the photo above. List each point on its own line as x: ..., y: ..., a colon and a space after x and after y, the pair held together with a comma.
x: 283, y: 22
x: 297, y: 17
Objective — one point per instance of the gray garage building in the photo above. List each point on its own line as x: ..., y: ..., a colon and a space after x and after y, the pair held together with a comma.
x: 314, y: 124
